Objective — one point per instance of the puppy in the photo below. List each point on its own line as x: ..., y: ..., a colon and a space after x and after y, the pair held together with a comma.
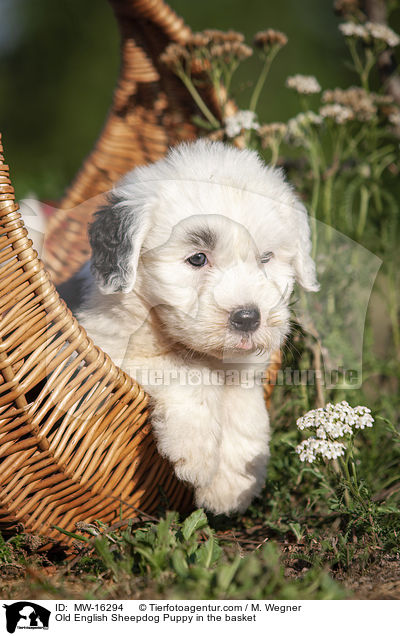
x: 194, y: 260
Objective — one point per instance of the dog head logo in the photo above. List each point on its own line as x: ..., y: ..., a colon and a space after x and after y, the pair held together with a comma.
x: 26, y: 615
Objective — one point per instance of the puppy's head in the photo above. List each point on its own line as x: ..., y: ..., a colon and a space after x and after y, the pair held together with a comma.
x: 213, y: 240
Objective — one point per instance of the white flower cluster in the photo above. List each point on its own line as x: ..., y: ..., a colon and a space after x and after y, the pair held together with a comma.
x: 370, y: 30
x: 340, y: 114
x: 383, y: 32
x: 242, y: 120
x: 350, y: 29
x: 299, y: 127
x: 305, y: 84
x: 330, y: 423
x: 310, y: 448
x: 394, y: 118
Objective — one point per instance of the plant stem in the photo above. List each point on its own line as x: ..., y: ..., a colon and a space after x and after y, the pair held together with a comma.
x: 197, y: 98
x: 261, y: 79
x: 365, y: 196
x: 363, y: 70
x: 328, y: 206
x: 314, y: 199
x: 274, y: 152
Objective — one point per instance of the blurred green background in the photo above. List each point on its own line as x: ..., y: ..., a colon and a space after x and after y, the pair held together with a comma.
x: 59, y: 63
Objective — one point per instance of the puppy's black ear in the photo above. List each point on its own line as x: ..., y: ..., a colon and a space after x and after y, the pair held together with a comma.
x: 116, y: 237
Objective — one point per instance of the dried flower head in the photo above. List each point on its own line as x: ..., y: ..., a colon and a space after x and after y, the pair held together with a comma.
x: 340, y: 114
x: 220, y: 37
x: 361, y: 103
x: 198, y: 40
x: 199, y: 64
x: 271, y: 133
x: 230, y: 51
x: 216, y: 50
x: 330, y: 423
x: 233, y: 36
x: 269, y: 38
x: 305, y: 84
x: 242, y: 120
x: 347, y: 8
x: 200, y: 48
x: 383, y: 33
x: 239, y: 51
x: 174, y: 55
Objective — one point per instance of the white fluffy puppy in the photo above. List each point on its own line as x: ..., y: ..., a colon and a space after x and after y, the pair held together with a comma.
x: 195, y: 258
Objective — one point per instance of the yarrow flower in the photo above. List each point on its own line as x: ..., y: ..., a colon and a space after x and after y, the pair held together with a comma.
x: 340, y: 114
x: 361, y: 103
x: 220, y: 37
x: 299, y: 127
x: 242, y: 120
x: 229, y: 51
x: 394, y: 118
x: 270, y: 37
x: 174, y: 55
x: 270, y: 133
x: 201, y: 48
x: 369, y: 30
x: 330, y: 423
x: 304, y: 84
x: 383, y: 33
x: 310, y: 448
x: 352, y: 30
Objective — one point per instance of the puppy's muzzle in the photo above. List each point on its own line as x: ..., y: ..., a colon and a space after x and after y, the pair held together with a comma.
x: 245, y: 319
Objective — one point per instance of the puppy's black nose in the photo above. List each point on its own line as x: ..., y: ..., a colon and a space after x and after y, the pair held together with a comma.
x: 245, y: 318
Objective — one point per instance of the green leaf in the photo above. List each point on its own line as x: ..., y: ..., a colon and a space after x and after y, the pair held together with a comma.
x: 179, y: 563
x: 144, y: 536
x: 297, y: 531
x: 73, y: 535
x: 388, y: 510
x: 149, y: 556
x: 194, y: 522
x: 226, y: 573
x: 102, y: 548
x: 209, y: 553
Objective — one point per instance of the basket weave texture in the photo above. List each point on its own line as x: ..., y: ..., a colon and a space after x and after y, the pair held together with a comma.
x: 75, y: 437
x: 75, y: 440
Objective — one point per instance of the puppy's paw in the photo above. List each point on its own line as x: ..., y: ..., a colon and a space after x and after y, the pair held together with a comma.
x: 193, y: 454
x: 198, y: 473
x: 228, y: 493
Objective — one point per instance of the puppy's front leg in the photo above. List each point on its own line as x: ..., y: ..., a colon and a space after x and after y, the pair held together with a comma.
x: 187, y: 432
x: 243, y: 453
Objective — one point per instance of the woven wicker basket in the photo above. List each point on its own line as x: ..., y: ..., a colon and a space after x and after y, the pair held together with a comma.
x: 75, y: 438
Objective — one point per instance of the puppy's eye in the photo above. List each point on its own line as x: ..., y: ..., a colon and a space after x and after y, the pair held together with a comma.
x: 197, y: 260
x: 266, y: 257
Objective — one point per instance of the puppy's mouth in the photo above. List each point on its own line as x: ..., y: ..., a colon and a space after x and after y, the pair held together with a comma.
x: 261, y: 340
x: 241, y: 343
x: 245, y: 343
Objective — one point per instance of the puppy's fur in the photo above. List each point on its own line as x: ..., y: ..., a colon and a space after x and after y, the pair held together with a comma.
x: 151, y: 309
